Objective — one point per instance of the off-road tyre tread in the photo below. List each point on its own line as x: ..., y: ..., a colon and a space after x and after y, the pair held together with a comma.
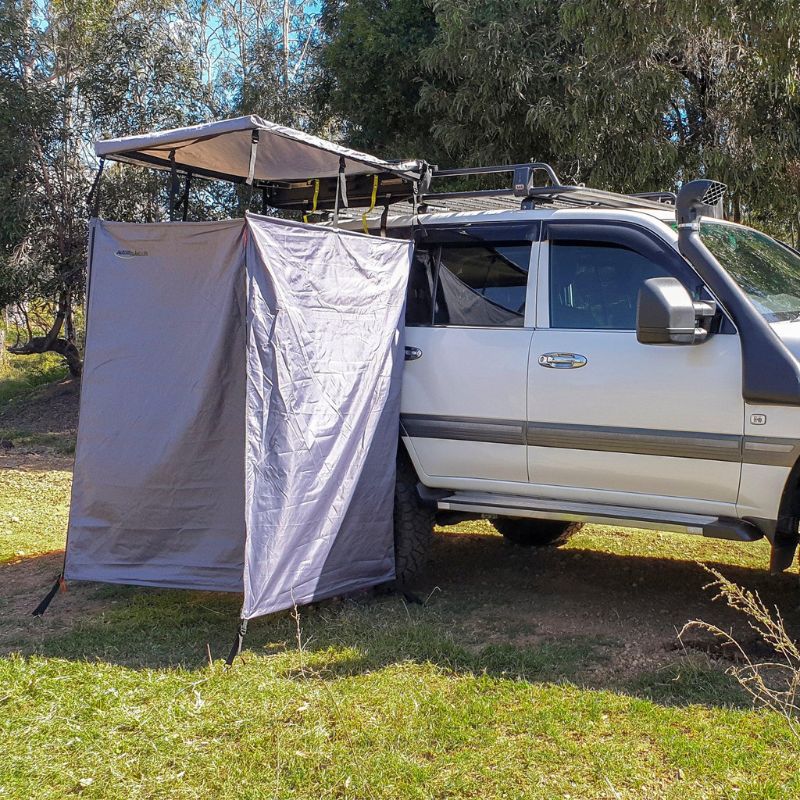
x: 535, y: 532
x: 413, y: 522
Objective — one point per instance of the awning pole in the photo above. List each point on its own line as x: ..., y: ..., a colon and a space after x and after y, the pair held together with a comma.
x: 384, y: 220
x: 173, y: 186
x: 185, y: 199
x: 341, y: 191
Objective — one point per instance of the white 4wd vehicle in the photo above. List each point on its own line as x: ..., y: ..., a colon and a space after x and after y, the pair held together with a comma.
x: 603, y: 358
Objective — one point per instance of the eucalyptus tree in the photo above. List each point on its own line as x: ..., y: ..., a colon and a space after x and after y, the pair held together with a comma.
x: 370, y: 76
x: 631, y: 96
x: 71, y: 71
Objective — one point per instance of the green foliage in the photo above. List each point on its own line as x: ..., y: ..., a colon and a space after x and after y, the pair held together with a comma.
x: 370, y: 82
x: 631, y: 96
x: 20, y: 374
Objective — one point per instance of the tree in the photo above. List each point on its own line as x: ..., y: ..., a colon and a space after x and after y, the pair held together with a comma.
x: 370, y: 77
x: 71, y: 71
x: 631, y: 96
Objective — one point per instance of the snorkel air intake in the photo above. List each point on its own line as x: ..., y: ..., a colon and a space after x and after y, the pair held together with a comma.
x: 699, y: 199
x: 770, y: 373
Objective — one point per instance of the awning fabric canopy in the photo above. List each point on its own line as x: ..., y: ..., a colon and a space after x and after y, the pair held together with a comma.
x: 225, y: 150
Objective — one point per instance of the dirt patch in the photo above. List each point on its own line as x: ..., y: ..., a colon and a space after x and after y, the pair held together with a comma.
x: 36, y: 459
x: 52, y: 409
x: 632, y: 606
x: 25, y: 582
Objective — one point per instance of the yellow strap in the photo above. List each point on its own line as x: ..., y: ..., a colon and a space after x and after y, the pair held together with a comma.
x: 314, y: 200
x: 371, y: 204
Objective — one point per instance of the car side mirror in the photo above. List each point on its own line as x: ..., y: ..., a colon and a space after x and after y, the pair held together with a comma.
x: 666, y: 314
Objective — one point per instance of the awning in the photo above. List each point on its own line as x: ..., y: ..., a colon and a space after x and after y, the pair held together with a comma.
x: 225, y: 150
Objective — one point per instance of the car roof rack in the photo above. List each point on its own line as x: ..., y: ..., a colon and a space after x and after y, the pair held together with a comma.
x: 524, y: 189
x: 386, y: 189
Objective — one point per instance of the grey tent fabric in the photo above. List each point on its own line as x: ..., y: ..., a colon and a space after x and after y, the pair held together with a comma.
x: 239, y: 409
x: 158, y: 490
x: 325, y: 356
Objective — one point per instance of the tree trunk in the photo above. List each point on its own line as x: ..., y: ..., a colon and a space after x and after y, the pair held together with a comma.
x: 52, y: 342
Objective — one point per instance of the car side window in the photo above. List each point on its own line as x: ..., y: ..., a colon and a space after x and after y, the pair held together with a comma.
x: 595, y: 285
x: 482, y: 284
x: 419, y: 297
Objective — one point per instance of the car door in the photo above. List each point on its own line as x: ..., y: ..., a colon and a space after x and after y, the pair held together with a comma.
x: 468, y: 333
x: 612, y: 420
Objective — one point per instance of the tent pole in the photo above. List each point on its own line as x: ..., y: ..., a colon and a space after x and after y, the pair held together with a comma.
x: 93, y: 198
x: 237, y: 642
x: 264, y: 204
x: 173, y: 185
x: 184, y: 201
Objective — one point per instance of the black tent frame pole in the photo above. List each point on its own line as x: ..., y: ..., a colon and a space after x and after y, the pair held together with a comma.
x: 184, y: 201
x: 173, y: 185
x: 264, y: 201
x: 93, y: 198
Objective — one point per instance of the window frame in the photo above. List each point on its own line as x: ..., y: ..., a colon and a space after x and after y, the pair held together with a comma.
x: 483, y: 233
x: 622, y: 234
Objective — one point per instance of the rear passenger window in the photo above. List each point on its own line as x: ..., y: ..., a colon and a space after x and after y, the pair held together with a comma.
x: 595, y: 285
x: 482, y: 284
x: 419, y: 298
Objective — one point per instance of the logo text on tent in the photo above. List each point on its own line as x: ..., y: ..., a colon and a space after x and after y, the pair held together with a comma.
x: 130, y: 253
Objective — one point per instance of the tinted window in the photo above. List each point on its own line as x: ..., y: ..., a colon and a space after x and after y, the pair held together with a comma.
x: 482, y: 284
x: 419, y: 299
x: 596, y: 284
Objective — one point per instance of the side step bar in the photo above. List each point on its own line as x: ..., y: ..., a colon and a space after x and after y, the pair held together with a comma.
x: 494, y: 505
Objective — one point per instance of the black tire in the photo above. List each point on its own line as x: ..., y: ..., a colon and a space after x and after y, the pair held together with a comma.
x: 413, y: 522
x: 534, y: 532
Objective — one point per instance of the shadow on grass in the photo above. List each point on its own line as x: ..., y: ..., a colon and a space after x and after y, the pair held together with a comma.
x: 495, y: 610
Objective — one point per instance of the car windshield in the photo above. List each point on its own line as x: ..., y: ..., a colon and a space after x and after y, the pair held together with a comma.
x: 767, y: 271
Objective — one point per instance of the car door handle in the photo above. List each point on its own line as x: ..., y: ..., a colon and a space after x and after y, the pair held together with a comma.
x: 413, y: 353
x: 562, y: 360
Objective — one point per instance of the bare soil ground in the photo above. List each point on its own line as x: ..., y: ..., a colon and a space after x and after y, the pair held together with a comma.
x: 634, y: 604
x: 52, y: 408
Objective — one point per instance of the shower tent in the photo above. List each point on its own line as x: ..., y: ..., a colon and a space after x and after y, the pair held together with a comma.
x: 240, y: 396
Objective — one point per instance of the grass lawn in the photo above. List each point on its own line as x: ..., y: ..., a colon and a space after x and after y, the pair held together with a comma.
x: 550, y: 674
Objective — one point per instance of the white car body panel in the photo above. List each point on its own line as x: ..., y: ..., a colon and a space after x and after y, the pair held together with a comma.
x: 494, y: 373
